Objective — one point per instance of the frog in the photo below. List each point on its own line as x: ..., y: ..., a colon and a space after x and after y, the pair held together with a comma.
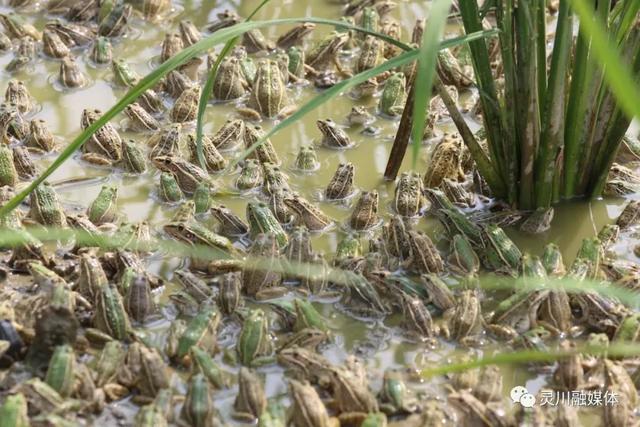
x: 409, y: 199
x: 101, y: 51
x: 18, y: 95
x: 425, y: 257
x: 307, y: 213
x: 213, y: 160
x: 307, y: 407
x: 70, y: 75
x: 295, y: 36
x: 268, y: 96
x: 341, y: 184
x: 324, y: 56
x: 255, y: 345
x: 371, y: 54
x: 250, y: 176
x: 104, y: 208
x: 45, y: 207
x: 139, y: 119
x: 230, y: 83
x: 188, y: 175
x: 365, y: 213
x: 307, y: 159
x: 261, y: 220
x: 333, y: 136
x: 538, y: 222
x: 262, y: 283
x: 104, y: 147
x: 251, y: 401
x: 445, y: 162
x: 393, y: 96
x: 359, y: 116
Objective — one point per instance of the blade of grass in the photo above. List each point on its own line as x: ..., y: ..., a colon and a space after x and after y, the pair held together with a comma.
x: 205, y: 94
x: 616, y: 130
x: 576, y: 107
x: 504, y: 14
x: 426, y: 70
x: 622, y: 83
x: 554, y: 119
x: 622, y: 349
x: 529, y: 110
x: 541, y: 45
x: 10, y: 238
x: 596, y: 90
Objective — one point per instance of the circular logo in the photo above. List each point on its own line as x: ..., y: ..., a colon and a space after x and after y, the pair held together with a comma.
x: 517, y: 392
x: 527, y: 400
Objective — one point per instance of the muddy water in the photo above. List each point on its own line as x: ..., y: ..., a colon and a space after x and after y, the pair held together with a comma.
x: 380, y: 343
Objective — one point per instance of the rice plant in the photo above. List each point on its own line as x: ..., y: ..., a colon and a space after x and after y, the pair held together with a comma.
x: 554, y: 130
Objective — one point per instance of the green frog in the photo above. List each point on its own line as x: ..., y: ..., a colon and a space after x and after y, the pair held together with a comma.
x: 123, y: 74
x: 45, y: 207
x: 104, y: 208
x: 198, y: 408
x: 8, y: 172
x: 255, y: 345
x: 393, y: 96
x: 102, y: 51
x: 250, y: 175
x: 169, y: 190
x: 262, y: 220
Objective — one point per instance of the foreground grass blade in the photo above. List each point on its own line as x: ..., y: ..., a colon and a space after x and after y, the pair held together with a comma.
x: 205, y: 94
x: 622, y: 349
x: 426, y: 70
x: 11, y: 238
x: 622, y: 83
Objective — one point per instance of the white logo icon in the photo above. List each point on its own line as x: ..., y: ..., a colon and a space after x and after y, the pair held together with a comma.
x: 520, y: 395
